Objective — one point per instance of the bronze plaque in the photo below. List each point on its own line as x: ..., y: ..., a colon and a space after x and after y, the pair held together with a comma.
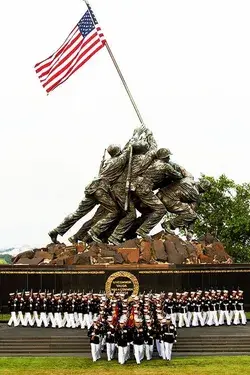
x: 122, y: 282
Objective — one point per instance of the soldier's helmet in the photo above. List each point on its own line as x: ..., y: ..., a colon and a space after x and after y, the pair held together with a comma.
x: 140, y: 147
x: 163, y: 153
x: 114, y: 150
x: 203, y: 184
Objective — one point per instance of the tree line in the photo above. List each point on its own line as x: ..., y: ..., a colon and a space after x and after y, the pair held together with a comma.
x: 224, y: 212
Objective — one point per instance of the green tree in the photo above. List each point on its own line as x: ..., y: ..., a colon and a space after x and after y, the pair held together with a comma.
x: 224, y: 211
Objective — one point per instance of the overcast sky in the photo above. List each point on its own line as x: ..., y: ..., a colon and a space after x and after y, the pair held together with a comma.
x: 187, y: 64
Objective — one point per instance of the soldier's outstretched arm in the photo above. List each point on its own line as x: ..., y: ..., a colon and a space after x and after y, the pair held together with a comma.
x: 151, y: 141
x: 138, y: 132
x: 135, y: 137
x: 141, y: 133
x: 148, y: 137
x: 181, y: 170
x: 176, y: 175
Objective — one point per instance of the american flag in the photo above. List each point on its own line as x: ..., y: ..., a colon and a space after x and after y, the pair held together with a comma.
x: 85, y: 40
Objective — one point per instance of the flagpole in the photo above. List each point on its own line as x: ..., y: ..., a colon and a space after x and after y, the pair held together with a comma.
x: 119, y: 72
x: 124, y: 83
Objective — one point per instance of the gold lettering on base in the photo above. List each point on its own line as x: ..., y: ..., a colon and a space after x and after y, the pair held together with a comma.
x: 124, y: 286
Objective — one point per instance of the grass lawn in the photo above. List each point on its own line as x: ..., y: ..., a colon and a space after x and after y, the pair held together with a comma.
x: 76, y: 366
x: 4, y: 317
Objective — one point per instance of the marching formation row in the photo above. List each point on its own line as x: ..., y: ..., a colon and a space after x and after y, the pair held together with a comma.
x: 74, y: 310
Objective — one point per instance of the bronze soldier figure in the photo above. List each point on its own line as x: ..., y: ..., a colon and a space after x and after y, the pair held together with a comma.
x: 144, y: 151
x: 82, y: 233
x: 97, y: 192
x: 142, y: 186
x: 159, y: 174
x: 180, y: 198
x: 112, y: 169
x: 158, y: 171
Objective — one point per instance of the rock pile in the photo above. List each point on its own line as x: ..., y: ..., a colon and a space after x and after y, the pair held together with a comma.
x: 164, y: 248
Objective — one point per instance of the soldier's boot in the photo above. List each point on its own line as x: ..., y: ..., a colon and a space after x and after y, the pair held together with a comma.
x: 86, y: 239
x: 53, y: 235
x: 94, y: 236
x: 167, y: 227
x: 73, y: 240
x: 114, y: 240
x: 189, y: 234
x: 144, y: 236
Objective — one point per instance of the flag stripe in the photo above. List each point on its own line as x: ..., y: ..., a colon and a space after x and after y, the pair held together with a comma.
x: 81, y: 44
x: 76, y: 68
x: 55, y: 54
x: 57, y: 61
x: 81, y: 63
x: 63, y: 68
x: 71, y: 61
x: 66, y: 56
x: 77, y: 64
x: 60, y: 52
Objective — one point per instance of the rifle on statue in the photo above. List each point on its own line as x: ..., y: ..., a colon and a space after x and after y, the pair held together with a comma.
x: 128, y: 180
x: 103, y: 161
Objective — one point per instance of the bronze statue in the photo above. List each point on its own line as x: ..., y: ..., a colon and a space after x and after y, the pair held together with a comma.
x: 138, y: 178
